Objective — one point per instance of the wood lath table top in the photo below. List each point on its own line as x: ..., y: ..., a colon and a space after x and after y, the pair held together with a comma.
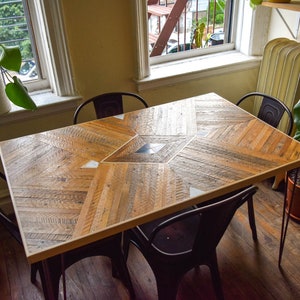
x: 81, y: 183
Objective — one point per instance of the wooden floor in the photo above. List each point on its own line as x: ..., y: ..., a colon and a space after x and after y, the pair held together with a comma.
x: 249, y: 270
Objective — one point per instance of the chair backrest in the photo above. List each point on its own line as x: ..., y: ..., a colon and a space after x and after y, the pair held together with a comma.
x: 271, y: 110
x: 212, y: 221
x: 108, y: 104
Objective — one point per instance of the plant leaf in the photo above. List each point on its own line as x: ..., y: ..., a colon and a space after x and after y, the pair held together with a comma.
x: 296, y: 111
x: 18, y: 94
x: 11, y: 58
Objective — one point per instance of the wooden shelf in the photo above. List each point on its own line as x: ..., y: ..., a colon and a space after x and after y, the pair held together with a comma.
x: 293, y: 5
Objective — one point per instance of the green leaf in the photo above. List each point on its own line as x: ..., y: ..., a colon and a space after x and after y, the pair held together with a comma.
x: 297, y: 136
x: 296, y: 111
x: 18, y: 94
x: 11, y: 58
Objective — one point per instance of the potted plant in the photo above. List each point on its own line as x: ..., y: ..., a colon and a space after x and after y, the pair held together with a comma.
x: 199, y: 35
x: 16, y: 92
x: 293, y: 176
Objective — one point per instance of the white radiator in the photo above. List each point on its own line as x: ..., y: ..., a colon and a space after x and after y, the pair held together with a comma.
x: 279, y: 72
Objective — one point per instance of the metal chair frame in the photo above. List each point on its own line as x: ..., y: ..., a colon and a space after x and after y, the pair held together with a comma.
x: 108, y: 104
x: 175, y: 244
x: 271, y: 110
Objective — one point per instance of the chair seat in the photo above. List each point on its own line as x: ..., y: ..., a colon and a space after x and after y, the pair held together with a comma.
x: 174, y: 239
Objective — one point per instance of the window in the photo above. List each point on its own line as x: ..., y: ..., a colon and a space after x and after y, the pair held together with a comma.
x: 242, y: 38
x: 37, y: 27
x: 184, y: 25
x: 16, y: 32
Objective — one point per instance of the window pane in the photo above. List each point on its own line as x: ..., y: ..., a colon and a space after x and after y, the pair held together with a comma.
x: 181, y: 25
x: 14, y: 31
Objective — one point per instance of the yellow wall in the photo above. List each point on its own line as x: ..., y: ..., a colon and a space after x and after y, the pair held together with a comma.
x: 102, y: 44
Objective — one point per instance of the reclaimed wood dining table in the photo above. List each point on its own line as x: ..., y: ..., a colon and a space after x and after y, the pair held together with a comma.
x: 76, y: 185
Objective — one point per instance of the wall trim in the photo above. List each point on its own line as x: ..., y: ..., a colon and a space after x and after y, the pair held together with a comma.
x: 199, y: 68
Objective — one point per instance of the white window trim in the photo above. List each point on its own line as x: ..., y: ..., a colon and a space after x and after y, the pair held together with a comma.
x: 250, y: 38
x: 141, y: 27
x: 61, y: 96
x: 49, y: 16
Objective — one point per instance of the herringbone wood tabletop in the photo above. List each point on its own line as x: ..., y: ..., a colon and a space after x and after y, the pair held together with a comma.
x: 77, y: 184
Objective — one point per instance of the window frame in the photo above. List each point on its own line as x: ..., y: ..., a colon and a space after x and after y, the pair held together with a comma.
x: 248, y: 33
x: 57, y: 93
x: 231, y: 32
x: 49, y: 34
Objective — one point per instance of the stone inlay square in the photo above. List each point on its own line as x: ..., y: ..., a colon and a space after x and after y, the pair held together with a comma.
x: 150, y: 148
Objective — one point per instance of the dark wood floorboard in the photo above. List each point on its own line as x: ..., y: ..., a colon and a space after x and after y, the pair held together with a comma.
x: 248, y: 270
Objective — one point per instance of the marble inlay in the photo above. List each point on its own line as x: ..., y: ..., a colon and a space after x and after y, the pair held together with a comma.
x: 195, y: 192
x: 150, y: 148
x: 92, y: 164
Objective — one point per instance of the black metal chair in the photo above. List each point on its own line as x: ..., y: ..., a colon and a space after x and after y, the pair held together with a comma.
x: 8, y: 222
x: 109, y: 104
x: 110, y: 247
x: 271, y: 109
x: 180, y: 242
x: 250, y: 206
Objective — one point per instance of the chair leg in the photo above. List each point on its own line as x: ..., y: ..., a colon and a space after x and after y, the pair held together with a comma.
x: 50, y: 272
x: 277, y: 180
x: 251, y: 217
x: 215, y: 276
x: 33, y: 272
x: 126, y: 244
x: 119, y: 269
x: 167, y: 284
x: 2, y: 176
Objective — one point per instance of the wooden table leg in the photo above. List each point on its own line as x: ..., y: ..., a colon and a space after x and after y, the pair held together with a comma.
x: 50, y: 272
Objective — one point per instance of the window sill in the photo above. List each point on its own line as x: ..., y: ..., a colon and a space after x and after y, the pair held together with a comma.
x: 47, y: 103
x: 197, y: 68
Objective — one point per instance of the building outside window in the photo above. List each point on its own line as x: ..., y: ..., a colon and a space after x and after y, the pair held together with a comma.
x: 168, y: 51
x: 182, y: 25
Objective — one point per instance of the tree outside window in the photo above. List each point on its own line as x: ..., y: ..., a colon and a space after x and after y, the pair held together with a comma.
x: 14, y: 31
